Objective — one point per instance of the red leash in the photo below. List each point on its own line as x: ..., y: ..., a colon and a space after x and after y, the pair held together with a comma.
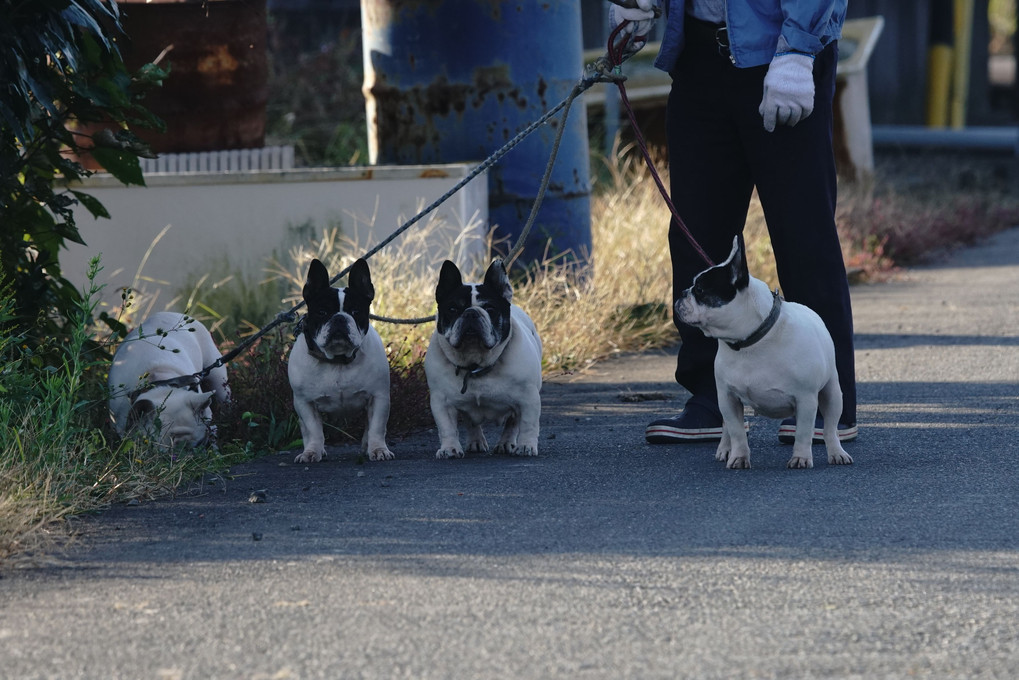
x: 615, y: 55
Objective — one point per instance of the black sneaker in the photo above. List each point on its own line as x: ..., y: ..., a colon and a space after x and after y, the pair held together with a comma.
x: 787, y: 431
x: 697, y: 423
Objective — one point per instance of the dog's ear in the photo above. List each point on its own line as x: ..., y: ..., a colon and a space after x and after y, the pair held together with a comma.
x: 739, y: 272
x: 318, y: 276
x: 199, y: 400
x: 449, y: 281
x: 497, y: 279
x: 360, y: 279
x: 141, y: 409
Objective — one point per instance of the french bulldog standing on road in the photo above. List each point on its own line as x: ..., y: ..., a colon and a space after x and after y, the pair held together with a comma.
x: 773, y: 355
x: 483, y: 361
x: 152, y: 380
x: 338, y: 363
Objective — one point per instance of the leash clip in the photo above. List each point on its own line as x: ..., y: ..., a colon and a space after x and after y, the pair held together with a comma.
x: 602, y: 70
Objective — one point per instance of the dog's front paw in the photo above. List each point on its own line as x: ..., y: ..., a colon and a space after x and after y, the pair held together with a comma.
x: 524, y: 450
x: 309, y: 457
x: 449, y: 452
x: 800, y: 463
x: 738, y: 462
x: 722, y: 453
x: 380, y: 453
x: 839, y: 458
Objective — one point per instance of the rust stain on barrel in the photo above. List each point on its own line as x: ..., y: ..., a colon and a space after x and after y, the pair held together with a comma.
x: 409, y: 116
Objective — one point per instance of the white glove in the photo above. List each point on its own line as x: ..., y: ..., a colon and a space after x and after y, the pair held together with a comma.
x: 788, y: 90
x: 641, y: 18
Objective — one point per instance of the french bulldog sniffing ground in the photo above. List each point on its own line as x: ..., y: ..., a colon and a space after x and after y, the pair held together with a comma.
x: 151, y: 381
x: 774, y: 355
x: 483, y: 362
x: 338, y: 363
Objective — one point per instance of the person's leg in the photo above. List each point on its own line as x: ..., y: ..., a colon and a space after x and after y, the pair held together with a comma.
x: 794, y: 170
x: 710, y: 185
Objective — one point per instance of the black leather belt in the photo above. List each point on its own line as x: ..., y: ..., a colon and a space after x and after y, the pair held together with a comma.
x: 704, y: 33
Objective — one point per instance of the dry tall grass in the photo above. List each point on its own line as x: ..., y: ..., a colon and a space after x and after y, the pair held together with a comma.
x: 620, y: 303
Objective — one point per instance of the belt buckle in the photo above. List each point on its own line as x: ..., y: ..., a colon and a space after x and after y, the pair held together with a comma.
x: 722, y: 40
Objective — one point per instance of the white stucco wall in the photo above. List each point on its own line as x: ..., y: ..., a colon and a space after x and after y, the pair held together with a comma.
x: 248, y: 218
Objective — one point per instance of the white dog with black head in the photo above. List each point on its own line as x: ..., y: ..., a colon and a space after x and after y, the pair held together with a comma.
x: 338, y: 363
x: 484, y: 363
x: 774, y: 355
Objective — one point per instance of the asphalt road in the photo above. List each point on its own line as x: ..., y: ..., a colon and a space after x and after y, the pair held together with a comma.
x: 604, y: 557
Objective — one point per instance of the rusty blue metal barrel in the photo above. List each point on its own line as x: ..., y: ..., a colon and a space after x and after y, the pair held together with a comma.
x: 454, y: 80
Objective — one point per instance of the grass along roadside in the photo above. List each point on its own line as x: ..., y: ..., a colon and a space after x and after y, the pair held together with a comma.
x: 59, y: 459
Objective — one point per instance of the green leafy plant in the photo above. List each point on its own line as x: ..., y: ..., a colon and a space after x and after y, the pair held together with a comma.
x: 58, y: 455
x: 66, y: 96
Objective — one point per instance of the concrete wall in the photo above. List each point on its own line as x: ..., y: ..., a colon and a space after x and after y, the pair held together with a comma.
x: 245, y: 219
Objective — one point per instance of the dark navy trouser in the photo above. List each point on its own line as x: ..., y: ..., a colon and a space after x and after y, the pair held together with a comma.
x: 718, y: 152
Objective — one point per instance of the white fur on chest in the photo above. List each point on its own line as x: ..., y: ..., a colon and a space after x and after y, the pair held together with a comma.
x: 507, y: 393
x: 795, y: 357
x: 335, y: 387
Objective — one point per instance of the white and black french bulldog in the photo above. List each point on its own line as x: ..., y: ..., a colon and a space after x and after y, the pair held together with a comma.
x: 484, y: 362
x: 338, y: 363
x: 774, y: 355
x: 152, y: 383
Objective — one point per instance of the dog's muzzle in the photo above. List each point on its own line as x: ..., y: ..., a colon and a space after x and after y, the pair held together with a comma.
x: 474, y: 326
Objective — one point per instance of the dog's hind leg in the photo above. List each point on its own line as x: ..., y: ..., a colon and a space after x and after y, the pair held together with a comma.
x: 830, y: 401
x: 476, y: 441
x: 508, y: 441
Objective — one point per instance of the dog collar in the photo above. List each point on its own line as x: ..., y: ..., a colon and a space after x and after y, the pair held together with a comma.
x: 762, y: 330
x: 314, y: 351
x: 338, y: 359
x: 191, y: 382
x: 474, y: 371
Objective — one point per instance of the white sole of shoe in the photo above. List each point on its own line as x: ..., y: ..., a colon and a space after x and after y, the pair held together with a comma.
x: 786, y: 434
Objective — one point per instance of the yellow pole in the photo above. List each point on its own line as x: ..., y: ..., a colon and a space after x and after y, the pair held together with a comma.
x: 939, y: 79
x: 963, y: 53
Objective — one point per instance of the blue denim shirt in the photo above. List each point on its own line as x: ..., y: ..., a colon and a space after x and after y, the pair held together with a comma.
x: 760, y: 28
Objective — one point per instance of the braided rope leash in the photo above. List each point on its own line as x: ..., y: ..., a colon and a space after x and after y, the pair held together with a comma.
x: 565, y: 105
x: 604, y: 69
x: 290, y: 315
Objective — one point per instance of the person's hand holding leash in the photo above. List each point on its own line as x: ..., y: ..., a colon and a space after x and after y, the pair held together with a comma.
x: 641, y: 19
x: 788, y: 90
